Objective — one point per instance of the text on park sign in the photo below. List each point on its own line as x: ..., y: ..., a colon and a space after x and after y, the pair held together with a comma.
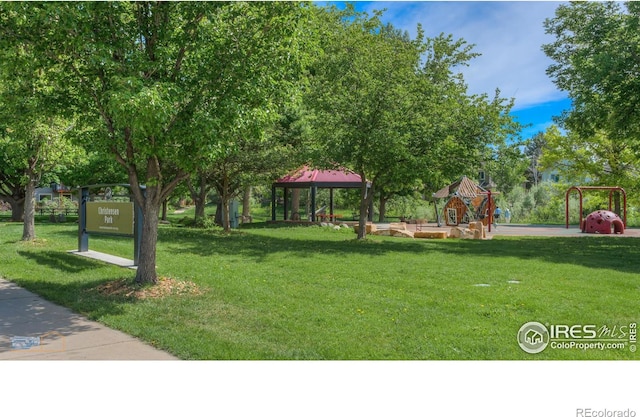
x: 110, y: 217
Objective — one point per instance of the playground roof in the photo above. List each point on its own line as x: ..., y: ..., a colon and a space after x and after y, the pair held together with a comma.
x: 329, y: 178
x: 464, y: 187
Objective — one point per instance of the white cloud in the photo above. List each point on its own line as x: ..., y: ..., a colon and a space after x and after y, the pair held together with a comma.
x: 508, y: 35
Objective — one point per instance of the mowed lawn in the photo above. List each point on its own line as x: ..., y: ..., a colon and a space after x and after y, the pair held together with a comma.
x: 317, y: 293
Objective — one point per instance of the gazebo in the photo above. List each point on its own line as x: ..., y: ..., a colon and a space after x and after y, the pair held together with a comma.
x: 307, y: 177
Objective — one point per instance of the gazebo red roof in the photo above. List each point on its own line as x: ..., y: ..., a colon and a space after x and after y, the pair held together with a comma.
x: 306, y: 177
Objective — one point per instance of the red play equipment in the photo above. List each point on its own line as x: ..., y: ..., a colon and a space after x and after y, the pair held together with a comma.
x: 603, y: 222
x: 611, y: 191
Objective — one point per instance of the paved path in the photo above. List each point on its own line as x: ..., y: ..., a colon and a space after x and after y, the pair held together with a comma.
x: 534, y: 230
x: 32, y: 328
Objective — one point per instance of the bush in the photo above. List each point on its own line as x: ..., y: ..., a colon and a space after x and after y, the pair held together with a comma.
x: 545, y: 203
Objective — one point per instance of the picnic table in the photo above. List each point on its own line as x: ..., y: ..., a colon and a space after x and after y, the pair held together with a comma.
x: 329, y: 217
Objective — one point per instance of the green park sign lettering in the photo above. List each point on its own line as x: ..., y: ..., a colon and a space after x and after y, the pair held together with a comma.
x: 110, y: 217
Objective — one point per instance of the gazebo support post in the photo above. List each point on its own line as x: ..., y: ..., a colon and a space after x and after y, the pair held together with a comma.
x: 286, y: 203
x: 273, y: 203
x: 314, y: 191
x: 330, y: 203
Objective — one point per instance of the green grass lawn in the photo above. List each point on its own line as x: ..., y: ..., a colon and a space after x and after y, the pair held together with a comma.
x: 317, y: 293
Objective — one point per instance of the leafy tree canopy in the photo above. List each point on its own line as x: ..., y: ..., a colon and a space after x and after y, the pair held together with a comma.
x: 597, y: 61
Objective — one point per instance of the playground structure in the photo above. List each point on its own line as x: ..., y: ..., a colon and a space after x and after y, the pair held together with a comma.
x: 603, y: 222
x: 467, y: 203
x: 602, y: 218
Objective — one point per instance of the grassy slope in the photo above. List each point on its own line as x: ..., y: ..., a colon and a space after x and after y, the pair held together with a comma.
x: 313, y: 293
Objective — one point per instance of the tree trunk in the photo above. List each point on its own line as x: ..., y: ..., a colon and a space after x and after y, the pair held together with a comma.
x: 17, y: 208
x: 15, y: 200
x: 17, y: 211
x: 226, y: 218
x: 150, y: 200
x: 295, y: 204
x: 200, y: 206
x: 225, y: 195
x: 365, y: 200
x: 383, y: 208
x: 199, y: 196
x: 29, y: 228
x: 146, y: 273
x: 218, y: 216
x: 165, y: 203
x: 246, y: 204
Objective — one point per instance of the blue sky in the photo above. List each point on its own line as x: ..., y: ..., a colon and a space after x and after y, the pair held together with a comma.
x: 508, y: 35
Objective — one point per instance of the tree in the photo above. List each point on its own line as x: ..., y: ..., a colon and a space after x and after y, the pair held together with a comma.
x: 238, y: 117
x: 141, y: 69
x: 507, y: 167
x: 359, y: 87
x: 12, y: 189
x: 32, y: 137
x: 533, y: 150
x: 601, y: 160
x: 597, y: 57
x: 393, y: 109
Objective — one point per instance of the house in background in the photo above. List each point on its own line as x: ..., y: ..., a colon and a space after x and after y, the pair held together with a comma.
x: 54, y: 192
x: 485, y: 181
x: 550, y: 176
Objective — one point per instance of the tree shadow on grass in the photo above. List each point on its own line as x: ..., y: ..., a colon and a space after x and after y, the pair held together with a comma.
x: 65, y: 232
x: 598, y: 252
x: 602, y: 252
x: 258, y: 247
x: 62, y: 261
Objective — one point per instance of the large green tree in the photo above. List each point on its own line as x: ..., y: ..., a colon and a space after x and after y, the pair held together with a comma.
x: 394, y: 109
x: 32, y: 135
x: 533, y: 150
x: 597, y: 62
x: 600, y: 159
x: 237, y: 117
x: 359, y: 86
x: 507, y: 167
x: 137, y: 71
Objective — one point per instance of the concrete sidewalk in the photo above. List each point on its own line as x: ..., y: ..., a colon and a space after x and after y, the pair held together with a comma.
x: 513, y: 229
x: 32, y: 328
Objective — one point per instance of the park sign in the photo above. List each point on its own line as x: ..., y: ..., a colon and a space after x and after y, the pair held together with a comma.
x: 110, y: 217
